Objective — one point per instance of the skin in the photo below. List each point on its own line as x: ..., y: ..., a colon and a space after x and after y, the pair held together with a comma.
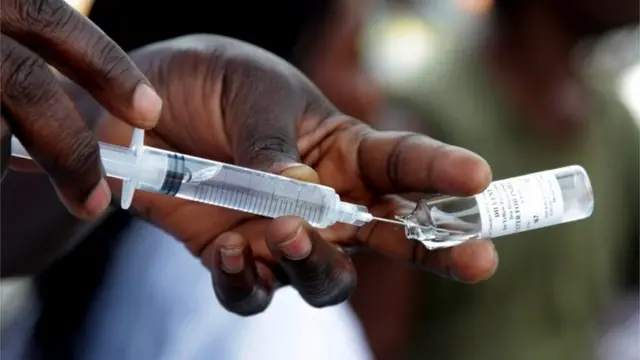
x: 37, y: 110
x: 250, y: 256
x: 21, y: 210
x: 336, y: 65
x: 290, y: 122
x: 42, y: 223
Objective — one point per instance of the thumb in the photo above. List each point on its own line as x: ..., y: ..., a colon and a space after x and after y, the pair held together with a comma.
x: 267, y: 144
x: 297, y: 171
x: 266, y: 141
x: 275, y: 154
x: 282, y: 160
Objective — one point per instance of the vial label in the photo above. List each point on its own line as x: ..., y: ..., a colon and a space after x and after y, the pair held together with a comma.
x: 520, y: 204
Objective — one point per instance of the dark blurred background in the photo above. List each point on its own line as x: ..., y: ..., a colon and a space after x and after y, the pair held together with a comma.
x: 529, y: 85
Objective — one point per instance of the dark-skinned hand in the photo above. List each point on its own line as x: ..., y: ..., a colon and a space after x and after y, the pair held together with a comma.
x: 38, y: 33
x: 229, y: 101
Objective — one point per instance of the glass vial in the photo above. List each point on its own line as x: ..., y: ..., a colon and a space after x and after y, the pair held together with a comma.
x: 506, y: 207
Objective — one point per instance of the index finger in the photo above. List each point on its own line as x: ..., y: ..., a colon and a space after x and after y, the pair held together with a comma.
x: 80, y: 50
x: 402, y: 162
x: 469, y: 262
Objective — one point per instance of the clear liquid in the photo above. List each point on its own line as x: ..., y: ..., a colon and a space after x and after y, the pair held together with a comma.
x: 508, y: 206
x: 252, y: 191
x: 443, y: 221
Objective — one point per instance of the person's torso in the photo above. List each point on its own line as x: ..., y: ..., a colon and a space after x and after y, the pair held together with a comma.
x: 551, y: 283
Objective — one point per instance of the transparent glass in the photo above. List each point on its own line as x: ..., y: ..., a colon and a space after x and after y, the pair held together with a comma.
x: 556, y: 196
x: 444, y: 221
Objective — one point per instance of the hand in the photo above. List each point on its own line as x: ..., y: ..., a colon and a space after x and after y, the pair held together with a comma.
x: 36, y: 109
x: 228, y: 101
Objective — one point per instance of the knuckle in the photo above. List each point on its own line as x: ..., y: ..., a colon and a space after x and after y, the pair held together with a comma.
x: 26, y: 79
x: 77, y: 156
x: 45, y: 15
x: 395, y: 160
x: 108, y: 57
x: 268, y: 148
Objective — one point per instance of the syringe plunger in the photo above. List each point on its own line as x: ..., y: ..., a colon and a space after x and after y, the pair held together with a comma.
x: 216, y: 183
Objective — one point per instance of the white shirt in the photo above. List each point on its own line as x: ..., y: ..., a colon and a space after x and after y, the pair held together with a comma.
x: 158, y: 304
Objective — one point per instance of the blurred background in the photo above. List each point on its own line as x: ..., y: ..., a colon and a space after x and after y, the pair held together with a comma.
x: 529, y: 85
x: 435, y: 61
x: 404, y: 37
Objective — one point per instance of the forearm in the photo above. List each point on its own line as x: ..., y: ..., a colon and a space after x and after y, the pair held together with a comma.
x: 36, y: 228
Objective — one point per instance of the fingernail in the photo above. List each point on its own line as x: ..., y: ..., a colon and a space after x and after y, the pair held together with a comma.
x: 301, y: 172
x: 232, y: 259
x: 99, y: 199
x: 298, y: 245
x: 147, y: 103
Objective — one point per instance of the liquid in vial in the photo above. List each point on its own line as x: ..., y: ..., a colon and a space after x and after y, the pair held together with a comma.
x: 506, y: 207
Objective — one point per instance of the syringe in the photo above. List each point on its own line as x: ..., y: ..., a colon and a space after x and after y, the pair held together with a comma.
x: 506, y: 207
x: 211, y: 182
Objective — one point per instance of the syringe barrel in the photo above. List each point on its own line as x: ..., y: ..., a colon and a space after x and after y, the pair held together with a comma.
x: 216, y: 183
x: 245, y: 189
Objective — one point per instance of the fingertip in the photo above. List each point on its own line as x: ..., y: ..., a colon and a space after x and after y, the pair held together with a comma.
x: 95, y: 204
x: 322, y: 274
x: 300, y: 172
x: 232, y: 253
x: 288, y: 236
x: 473, y: 261
x: 239, y: 284
x: 462, y: 172
x: 147, y: 105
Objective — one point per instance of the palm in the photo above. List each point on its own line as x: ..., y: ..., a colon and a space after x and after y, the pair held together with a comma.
x: 233, y: 103
x: 326, y: 141
x: 332, y: 153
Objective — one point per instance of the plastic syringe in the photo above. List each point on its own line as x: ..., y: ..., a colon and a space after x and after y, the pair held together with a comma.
x: 216, y: 183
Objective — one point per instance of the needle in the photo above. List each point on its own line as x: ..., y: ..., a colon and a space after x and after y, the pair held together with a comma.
x: 395, y: 222
x: 403, y: 224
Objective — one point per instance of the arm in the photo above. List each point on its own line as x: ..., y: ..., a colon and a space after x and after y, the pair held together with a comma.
x: 36, y: 227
